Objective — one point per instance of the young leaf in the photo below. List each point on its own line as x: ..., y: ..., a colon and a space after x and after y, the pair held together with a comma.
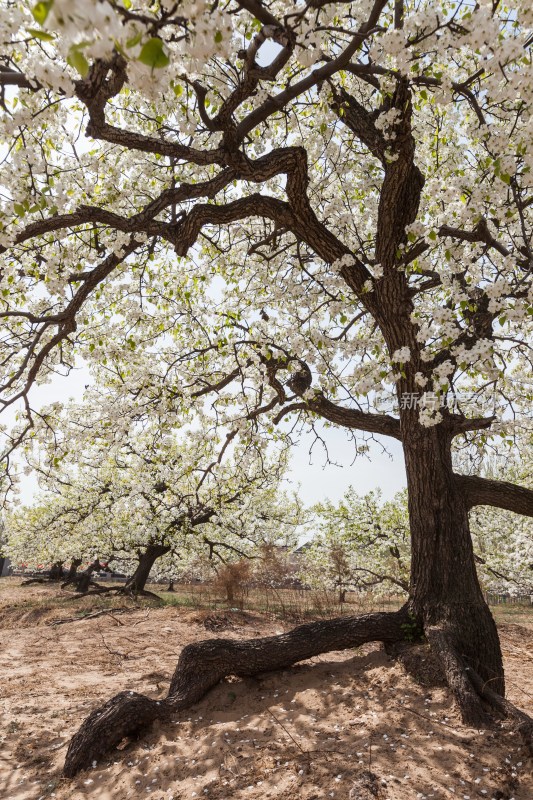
x: 42, y: 35
x: 77, y: 60
x: 153, y: 55
x: 41, y: 10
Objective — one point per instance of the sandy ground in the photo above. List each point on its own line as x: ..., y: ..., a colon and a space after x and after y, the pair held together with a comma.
x: 348, y: 725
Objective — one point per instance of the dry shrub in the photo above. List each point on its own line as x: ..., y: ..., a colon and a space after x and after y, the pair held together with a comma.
x: 234, y: 579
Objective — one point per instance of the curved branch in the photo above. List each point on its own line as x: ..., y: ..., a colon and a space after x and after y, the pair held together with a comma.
x: 184, y: 234
x: 480, y: 233
x: 358, y: 420
x: 202, y: 665
x: 142, y: 222
x: 319, y: 75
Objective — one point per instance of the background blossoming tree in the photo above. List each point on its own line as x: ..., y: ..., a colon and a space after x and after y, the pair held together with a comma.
x: 134, y: 496
x: 314, y: 211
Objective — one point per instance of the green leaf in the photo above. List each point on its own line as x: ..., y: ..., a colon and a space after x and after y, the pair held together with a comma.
x: 77, y: 60
x: 19, y: 209
x: 134, y: 40
x: 218, y: 37
x: 153, y: 55
x: 37, y: 34
x: 41, y: 10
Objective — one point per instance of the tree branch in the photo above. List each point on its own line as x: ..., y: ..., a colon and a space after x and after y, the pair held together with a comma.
x: 479, y: 491
x: 316, y: 76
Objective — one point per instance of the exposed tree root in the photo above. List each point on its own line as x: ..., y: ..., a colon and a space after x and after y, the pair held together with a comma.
x: 466, y: 696
x: 97, y: 589
x: 523, y: 722
x: 202, y: 665
x: 47, y: 580
x: 111, y: 612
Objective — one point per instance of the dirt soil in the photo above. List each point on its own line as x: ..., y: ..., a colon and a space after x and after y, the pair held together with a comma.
x: 351, y: 725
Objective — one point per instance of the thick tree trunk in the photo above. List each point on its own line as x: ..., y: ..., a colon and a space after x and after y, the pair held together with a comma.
x: 72, y: 574
x: 147, y: 559
x: 446, y: 598
x: 202, y: 665
x: 56, y: 571
x: 84, y: 579
x: 72, y: 570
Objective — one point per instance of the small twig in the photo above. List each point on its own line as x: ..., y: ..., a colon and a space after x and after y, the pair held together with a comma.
x: 92, y: 616
x: 424, y: 716
x: 304, y: 752
x: 141, y: 620
x: 111, y: 652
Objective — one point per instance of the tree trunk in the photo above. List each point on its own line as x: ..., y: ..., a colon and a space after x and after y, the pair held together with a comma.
x: 147, y: 559
x: 445, y: 595
x: 203, y: 664
x: 170, y: 587
x: 84, y: 580
x: 56, y: 571
x: 72, y: 571
x: 74, y: 564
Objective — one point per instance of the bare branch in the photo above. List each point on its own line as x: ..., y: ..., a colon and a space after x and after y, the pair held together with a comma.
x: 479, y: 491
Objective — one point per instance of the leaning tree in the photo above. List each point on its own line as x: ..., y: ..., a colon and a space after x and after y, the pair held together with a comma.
x: 321, y: 211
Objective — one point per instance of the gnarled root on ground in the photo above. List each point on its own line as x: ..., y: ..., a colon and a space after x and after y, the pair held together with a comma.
x: 202, y: 665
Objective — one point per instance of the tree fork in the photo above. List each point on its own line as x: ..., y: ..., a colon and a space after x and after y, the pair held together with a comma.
x: 202, y: 665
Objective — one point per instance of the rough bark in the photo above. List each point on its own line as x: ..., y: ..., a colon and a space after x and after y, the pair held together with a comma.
x: 83, y: 579
x: 56, y: 571
x: 136, y: 584
x: 498, y: 494
x: 446, y: 597
x: 202, y: 665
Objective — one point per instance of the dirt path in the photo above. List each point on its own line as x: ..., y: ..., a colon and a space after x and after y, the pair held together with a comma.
x: 315, y: 731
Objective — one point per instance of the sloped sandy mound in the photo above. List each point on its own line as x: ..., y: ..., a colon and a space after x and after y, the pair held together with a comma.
x: 346, y: 725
